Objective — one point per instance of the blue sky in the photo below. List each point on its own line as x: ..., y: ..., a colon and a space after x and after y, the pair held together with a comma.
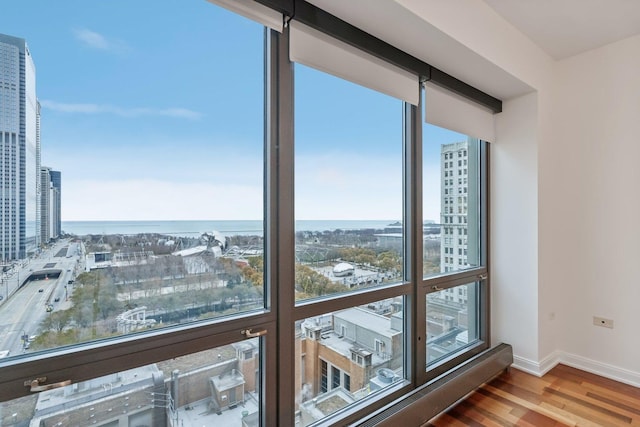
x: 153, y: 110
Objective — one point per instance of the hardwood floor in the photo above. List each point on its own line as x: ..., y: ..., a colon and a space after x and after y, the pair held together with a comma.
x: 563, y: 397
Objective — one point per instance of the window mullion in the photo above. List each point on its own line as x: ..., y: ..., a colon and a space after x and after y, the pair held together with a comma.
x: 415, y: 329
x: 281, y: 211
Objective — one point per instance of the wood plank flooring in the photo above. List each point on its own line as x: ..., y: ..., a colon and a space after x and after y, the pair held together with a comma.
x: 563, y: 397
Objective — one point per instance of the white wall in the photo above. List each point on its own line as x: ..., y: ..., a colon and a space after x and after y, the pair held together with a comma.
x: 514, y: 212
x: 597, y: 100
x: 565, y: 234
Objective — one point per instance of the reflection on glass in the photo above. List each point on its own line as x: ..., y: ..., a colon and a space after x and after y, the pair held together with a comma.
x: 217, y: 387
x: 348, y: 201
x: 345, y: 356
x: 451, y: 200
x: 452, y: 321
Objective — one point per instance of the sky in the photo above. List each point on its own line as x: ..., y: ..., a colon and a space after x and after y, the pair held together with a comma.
x: 153, y: 110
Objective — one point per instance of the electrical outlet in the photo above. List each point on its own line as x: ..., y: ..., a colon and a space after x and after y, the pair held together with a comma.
x: 601, y: 321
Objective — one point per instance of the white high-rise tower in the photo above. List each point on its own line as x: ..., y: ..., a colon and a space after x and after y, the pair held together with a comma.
x: 454, y: 205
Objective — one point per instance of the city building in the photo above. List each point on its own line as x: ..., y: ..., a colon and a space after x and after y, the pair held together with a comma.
x: 346, y: 355
x: 45, y: 204
x: 454, y: 167
x: 454, y: 193
x: 49, y: 204
x: 56, y: 202
x: 215, y: 387
x: 19, y: 151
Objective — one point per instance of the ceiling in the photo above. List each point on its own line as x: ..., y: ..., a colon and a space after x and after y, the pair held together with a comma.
x: 564, y: 28
x: 419, y: 38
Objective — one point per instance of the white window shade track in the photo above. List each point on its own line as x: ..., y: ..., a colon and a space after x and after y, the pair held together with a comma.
x: 254, y: 11
x: 325, y: 53
x: 445, y: 109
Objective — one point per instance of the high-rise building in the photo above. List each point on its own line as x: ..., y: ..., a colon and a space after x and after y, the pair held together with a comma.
x: 45, y: 204
x: 454, y: 166
x: 56, y: 218
x: 19, y: 151
x: 50, y: 223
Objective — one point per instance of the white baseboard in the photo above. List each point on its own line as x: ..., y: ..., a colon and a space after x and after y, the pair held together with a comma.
x: 603, y: 369
x: 537, y: 368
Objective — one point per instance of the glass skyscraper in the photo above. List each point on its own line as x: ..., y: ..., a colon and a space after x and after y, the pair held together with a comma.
x: 50, y: 222
x: 19, y: 151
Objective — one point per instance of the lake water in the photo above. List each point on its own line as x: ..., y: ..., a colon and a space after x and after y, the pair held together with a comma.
x: 196, y: 228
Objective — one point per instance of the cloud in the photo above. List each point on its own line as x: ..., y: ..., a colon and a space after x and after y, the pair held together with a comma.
x: 98, y: 41
x: 181, y: 113
x: 147, y: 199
x: 348, y: 185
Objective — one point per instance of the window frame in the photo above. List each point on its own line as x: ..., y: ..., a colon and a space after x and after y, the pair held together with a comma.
x: 94, y: 359
x: 448, y: 280
x: 85, y: 361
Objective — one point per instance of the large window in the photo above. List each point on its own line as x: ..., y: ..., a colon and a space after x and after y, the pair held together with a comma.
x: 350, y: 241
x: 348, y: 199
x: 451, y: 203
x: 235, y: 229
x: 163, y: 211
x: 453, y: 243
x: 152, y: 185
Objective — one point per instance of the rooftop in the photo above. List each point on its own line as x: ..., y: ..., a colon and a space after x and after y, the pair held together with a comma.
x: 366, y: 319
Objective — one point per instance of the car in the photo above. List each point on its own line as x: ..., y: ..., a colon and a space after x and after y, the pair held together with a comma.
x: 40, y: 290
x: 56, y: 299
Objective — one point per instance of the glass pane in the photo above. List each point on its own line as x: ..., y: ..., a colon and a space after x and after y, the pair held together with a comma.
x: 451, y: 201
x: 156, y: 146
x: 348, y: 203
x: 347, y: 355
x: 217, y: 387
x: 452, y: 321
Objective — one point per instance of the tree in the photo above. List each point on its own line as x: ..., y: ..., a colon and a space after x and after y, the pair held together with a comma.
x: 56, y: 321
x: 389, y: 261
x: 313, y: 283
x: 254, y: 272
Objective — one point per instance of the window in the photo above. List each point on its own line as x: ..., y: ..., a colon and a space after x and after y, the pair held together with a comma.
x: 115, y: 280
x: 335, y: 251
x: 358, y: 358
x: 350, y: 236
x: 218, y: 229
x: 454, y: 322
x: 323, y: 377
x: 146, y: 274
x: 335, y: 377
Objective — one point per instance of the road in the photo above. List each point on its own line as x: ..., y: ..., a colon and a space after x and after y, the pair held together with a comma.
x: 24, y: 310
